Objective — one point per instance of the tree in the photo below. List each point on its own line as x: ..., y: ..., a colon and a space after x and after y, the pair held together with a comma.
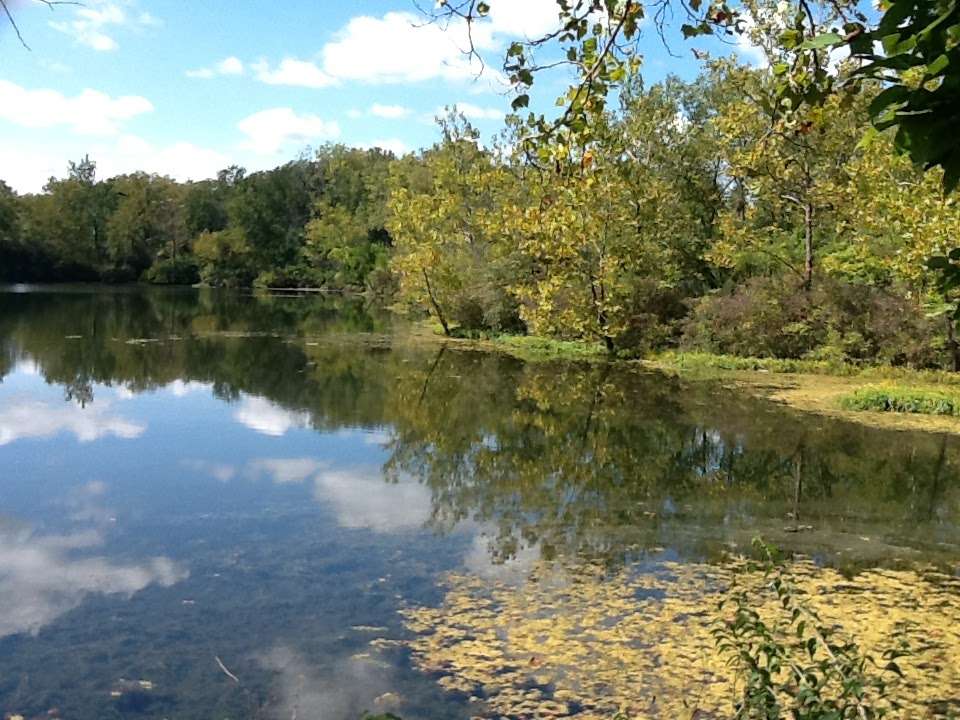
x: 347, y: 236
x: 146, y: 223
x: 787, y: 173
x: 449, y: 256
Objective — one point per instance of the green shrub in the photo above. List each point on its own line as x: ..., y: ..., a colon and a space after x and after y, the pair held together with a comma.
x: 180, y: 271
x: 835, y: 322
x: 902, y: 400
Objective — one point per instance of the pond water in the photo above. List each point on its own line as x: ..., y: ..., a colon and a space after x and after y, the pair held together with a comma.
x: 220, y: 506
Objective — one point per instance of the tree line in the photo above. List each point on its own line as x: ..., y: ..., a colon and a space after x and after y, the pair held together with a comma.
x: 690, y: 214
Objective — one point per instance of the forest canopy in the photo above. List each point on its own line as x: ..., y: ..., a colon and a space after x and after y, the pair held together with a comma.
x: 788, y: 210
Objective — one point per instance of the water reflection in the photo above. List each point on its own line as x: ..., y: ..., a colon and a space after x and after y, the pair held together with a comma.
x: 317, y: 471
x: 262, y: 416
x: 22, y: 418
x: 361, y: 499
x: 46, y: 575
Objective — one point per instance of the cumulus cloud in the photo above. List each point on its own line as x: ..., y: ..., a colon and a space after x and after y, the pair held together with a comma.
x: 262, y: 416
x: 397, y: 48
x: 182, y: 160
x: 27, y: 169
x: 389, y: 112
x: 32, y: 419
x: 409, y: 50
x: 290, y: 71
x: 228, y: 66
x: 475, y: 112
x: 94, y: 21
x: 396, y: 146
x: 269, y: 131
x: 42, y: 578
x: 361, y: 498
x: 89, y: 113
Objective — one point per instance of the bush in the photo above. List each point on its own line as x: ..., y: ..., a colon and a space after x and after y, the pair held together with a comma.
x: 180, y: 271
x: 290, y: 276
x: 902, y: 400
x: 835, y: 322
x: 655, y: 319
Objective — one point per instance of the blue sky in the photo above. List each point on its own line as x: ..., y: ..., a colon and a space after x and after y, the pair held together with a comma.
x: 185, y: 88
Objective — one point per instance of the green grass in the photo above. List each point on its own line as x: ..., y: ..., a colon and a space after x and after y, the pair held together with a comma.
x: 694, y: 361
x: 532, y: 348
x: 902, y: 400
x: 706, y: 362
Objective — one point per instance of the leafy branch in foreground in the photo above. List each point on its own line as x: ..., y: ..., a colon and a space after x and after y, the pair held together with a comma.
x: 791, y: 663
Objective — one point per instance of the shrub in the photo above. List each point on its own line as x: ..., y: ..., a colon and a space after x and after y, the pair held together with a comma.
x: 180, y: 271
x: 835, y: 322
x: 902, y: 400
x: 795, y: 665
x: 290, y: 276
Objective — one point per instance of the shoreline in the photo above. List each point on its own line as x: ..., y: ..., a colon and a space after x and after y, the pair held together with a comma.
x: 805, y: 386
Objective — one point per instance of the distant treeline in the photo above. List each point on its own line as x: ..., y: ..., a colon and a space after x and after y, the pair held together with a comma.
x: 314, y: 222
x: 689, y: 215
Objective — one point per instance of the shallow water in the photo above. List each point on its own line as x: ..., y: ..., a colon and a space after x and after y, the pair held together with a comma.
x: 220, y: 506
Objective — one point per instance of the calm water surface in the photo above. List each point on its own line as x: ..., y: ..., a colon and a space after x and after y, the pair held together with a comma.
x: 210, y: 504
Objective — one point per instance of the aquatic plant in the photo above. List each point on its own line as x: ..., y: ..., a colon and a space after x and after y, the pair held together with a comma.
x: 793, y: 664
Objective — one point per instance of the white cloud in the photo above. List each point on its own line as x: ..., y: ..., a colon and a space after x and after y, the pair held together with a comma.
x: 475, y: 112
x: 398, y: 48
x: 361, y: 498
x: 394, y: 145
x: 41, y: 581
x: 285, y: 471
x: 290, y: 71
x: 27, y: 168
x: 89, y: 113
x: 529, y: 18
x: 269, y: 131
x: 389, y: 112
x: 94, y: 21
x: 25, y: 419
x: 182, y: 160
x: 262, y: 416
x: 228, y: 66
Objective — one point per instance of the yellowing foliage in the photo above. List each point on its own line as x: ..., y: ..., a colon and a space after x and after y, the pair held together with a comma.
x: 584, y: 642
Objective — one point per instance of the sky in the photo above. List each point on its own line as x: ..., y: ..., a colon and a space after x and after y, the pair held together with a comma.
x: 187, y: 88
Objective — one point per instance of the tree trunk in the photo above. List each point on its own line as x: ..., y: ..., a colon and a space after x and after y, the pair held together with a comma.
x: 952, y: 345
x: 808, y: 246
x: 436, y: 305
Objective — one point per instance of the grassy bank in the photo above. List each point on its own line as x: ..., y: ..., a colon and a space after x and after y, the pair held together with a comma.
x: 879, y: 396
x: 886, y: 397
x: 902, y: 400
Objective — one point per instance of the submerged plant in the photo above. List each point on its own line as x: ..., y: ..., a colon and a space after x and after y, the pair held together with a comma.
x: 793, y: 664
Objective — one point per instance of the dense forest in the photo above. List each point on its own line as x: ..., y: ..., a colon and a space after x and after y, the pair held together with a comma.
x: 692, y: 217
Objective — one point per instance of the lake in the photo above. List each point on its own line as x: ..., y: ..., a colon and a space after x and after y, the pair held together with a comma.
x: 224, y: 506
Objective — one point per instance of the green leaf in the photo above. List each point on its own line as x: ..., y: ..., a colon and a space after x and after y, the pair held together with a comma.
x: 822, y: 41
x: 938, y: 65
x: 521, y: 101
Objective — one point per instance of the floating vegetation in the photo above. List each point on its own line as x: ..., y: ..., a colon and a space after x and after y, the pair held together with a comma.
x: 583, y: 642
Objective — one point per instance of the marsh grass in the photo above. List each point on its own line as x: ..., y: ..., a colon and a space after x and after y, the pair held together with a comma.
x: 902, y: 400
